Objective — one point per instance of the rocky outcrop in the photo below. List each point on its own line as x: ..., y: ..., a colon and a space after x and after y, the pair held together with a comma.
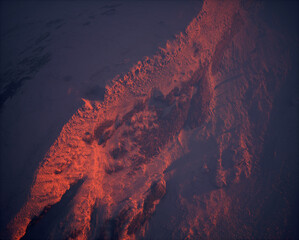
x: 187, y: 115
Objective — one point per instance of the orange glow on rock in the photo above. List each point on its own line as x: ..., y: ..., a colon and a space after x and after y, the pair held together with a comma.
x: 122, y: 146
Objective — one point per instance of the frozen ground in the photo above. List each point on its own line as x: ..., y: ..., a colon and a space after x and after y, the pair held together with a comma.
x: 198, y: 141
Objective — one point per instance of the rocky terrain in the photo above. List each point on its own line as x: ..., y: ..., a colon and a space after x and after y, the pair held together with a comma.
x: 197, y: 142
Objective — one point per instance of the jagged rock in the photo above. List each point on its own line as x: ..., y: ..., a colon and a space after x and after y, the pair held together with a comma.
x: 157, y: 191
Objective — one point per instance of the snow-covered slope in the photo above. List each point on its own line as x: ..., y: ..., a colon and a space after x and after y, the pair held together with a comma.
x: 178, y: 148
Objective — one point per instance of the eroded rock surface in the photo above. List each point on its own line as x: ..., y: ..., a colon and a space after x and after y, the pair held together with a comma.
x: 191, y: 119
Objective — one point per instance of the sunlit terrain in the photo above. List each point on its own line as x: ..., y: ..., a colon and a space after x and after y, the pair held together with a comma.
x: 196, y: 142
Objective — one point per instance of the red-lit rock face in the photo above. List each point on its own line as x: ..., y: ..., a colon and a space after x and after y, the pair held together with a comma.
x: 207, y: 96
